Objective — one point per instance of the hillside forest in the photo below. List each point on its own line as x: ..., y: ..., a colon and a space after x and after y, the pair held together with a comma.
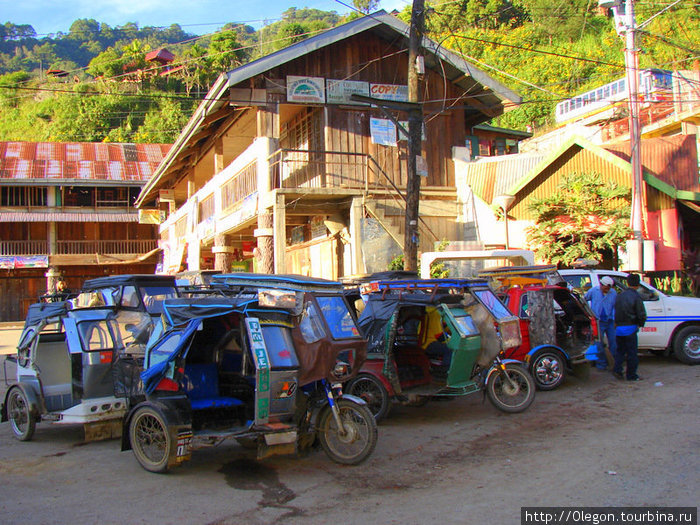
x: 93, y: 82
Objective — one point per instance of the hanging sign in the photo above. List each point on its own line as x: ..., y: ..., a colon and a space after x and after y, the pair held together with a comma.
x: 382, y: 131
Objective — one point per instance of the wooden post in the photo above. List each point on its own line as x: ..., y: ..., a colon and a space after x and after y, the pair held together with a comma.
x: 415, y: 128
x: 223, y: 253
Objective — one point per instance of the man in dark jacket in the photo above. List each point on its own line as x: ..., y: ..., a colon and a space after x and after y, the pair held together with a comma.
x: 630, y: 315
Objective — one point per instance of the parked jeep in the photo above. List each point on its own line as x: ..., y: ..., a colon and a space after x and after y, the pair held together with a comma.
x: 673, y: 323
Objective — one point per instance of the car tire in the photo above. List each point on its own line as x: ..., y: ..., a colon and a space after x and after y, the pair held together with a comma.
x: 686, y: 345
x: 548, y: 369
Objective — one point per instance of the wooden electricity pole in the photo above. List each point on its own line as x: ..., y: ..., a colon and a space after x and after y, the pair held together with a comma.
x: 415, y: 131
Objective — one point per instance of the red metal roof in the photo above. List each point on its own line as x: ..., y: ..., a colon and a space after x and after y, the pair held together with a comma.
x: 673, y: 160
x: 80, y: 160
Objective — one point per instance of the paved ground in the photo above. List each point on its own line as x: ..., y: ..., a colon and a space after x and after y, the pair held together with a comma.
x: 9, y: 334
x: 592, y: 442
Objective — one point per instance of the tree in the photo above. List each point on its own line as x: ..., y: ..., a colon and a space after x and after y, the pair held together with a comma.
x: 586, y: 218
x: 366, y: 6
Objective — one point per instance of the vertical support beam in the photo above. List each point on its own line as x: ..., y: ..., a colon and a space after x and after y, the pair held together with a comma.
x: 223, y: 252
x: 191, y: 187
x: 279, y: 214
x: 415, y: 127
x: 218, y: 155
x: 268, y: 140
x: 356, y: 215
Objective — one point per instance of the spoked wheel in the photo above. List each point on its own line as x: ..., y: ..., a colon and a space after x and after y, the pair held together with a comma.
x: 371, y: 391
x: 23, y: 422
x: 359, y: 438
x: 548, y: 369
x: 514, y: 393
x: 151, y: 441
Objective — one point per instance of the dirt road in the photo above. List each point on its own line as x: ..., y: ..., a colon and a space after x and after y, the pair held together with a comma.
x: 594, y: 442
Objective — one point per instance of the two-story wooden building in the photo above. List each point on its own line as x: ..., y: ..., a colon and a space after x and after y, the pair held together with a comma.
x: 66, y: 212
x: 282, y: 161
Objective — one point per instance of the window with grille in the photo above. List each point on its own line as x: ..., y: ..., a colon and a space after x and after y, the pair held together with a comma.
x: 26, y: 196
x: 303, y: 134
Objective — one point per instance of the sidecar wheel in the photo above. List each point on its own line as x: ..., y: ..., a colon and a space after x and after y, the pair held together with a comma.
x: 151, y: 441
x: 372, y: 391
x: 359, y: 439
x: 512, y: 396
x: 22, y: 420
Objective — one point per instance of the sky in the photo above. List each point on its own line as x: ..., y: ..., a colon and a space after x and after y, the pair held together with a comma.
x: 194, y: 16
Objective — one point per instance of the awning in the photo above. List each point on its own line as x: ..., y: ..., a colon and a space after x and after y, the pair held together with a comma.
x: 68, y: 217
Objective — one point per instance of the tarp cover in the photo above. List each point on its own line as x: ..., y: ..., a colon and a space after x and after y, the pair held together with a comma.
x: 40, y: 311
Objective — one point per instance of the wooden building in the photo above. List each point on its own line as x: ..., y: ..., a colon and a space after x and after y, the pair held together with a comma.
x: 66, y: 212
x: 280, y: 160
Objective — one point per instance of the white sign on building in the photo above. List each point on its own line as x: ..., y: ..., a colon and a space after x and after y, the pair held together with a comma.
x: 393, y: 92
x: 340, y: 91
x: 306, y: 89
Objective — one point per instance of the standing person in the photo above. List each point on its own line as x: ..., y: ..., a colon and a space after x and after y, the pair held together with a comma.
x: 602, y: 299
x: 630, y: 315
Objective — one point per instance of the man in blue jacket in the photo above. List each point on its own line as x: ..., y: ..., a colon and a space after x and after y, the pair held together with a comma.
x: 630, y: 315
x: 602, y: 299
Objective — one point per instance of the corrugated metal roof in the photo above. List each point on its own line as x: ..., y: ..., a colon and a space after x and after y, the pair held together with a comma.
x: 492, y: 176
x: 68, y: 217
x: 673, y: 160
x: 80, y: 161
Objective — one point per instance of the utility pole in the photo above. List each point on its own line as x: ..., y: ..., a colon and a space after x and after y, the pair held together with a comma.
x: 625, y: 22
x: 415, y: 131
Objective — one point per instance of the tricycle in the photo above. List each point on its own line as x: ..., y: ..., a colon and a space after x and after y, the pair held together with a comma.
x: 237, y: 366
x: 64, y: 365
x: 438, y: 338
x: 559, y: 330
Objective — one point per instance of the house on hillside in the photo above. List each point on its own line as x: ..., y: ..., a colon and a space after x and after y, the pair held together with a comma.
x: 66, y: 212
x: 671, y: 193
x: 280, y: 160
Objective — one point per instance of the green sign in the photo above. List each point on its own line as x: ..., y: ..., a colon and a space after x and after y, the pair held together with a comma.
x: 262, y: 365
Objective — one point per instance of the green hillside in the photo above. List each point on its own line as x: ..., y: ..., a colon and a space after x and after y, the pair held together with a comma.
x: 93, y: 83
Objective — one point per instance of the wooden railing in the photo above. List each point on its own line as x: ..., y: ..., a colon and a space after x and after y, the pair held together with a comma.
x: 24, y: 248
x: 78, y: 247
x: 238, y: 187
x: 105, y: 247
x: 294, y: 168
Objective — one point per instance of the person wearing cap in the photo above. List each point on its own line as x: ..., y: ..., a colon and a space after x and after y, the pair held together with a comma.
x: 602, y: 300
x: 630, y: 316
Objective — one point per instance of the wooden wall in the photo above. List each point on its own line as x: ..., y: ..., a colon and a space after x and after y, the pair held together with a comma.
x: 20, y: 288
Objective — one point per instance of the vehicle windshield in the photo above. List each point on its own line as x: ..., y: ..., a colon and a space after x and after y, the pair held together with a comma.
x: 464, y: 322
x: 153, y: 297
x: 338, y: 317
x: 102, y: 298
x: 95, y: 335
x: 493, y: 303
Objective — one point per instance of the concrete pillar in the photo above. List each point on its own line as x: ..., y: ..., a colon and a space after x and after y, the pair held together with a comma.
x: 356, y: 214
x: 223, y: 253
x: 53, y: 275
x: 279, y: 216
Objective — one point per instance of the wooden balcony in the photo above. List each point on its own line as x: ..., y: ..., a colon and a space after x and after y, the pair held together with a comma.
x: 82, y: 252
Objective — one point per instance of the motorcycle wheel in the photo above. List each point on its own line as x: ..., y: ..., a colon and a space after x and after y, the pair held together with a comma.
x: 23, y: 422
x: 359, y: 439
x: 151, y: 441
x: 514, y: 397
x: 371, y: 391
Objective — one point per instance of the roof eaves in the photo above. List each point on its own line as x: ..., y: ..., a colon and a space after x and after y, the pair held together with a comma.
x: 573, y: 141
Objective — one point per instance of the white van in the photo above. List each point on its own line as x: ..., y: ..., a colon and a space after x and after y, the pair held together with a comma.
x: 673, y: 323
